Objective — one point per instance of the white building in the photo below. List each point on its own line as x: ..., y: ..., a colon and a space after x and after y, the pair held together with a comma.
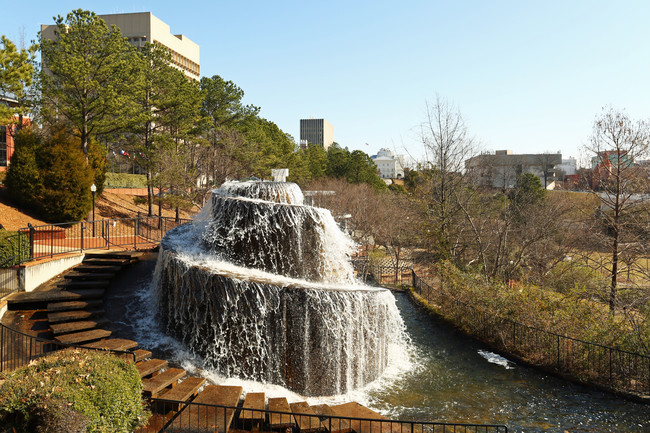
x: 390, y: 166
x: 569, y: 166
x: 142, y: 27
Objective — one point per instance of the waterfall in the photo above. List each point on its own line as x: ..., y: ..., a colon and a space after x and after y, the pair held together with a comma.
x: 262, y: 288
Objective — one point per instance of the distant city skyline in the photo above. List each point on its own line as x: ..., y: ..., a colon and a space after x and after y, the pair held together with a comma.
x: 527, y: 76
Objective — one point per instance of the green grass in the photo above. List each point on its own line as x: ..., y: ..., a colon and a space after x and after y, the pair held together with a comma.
x: 125, y: 180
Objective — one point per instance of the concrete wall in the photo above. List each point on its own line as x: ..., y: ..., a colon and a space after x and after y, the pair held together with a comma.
x: 36, y: 274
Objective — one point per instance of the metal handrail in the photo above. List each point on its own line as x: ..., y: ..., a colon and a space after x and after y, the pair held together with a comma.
x: 15, y: 360
x: 315, y: 420
x: 567, y: 362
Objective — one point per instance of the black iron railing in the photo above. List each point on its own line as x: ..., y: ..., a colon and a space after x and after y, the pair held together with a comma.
x: 171, y: 415
x: 55, y: 239
x: 18, y: 349
x: 610, y: 368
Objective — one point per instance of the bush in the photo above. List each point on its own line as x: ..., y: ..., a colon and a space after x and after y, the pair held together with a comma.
x: 14, y: 248
x: 50, y: 175
x: 125, y: 180
x: 73, y: 391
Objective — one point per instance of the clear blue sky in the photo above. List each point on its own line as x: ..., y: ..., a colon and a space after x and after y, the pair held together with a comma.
x: 527, y: 75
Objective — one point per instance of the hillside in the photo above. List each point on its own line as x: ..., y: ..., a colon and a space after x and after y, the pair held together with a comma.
x: 108, y: 205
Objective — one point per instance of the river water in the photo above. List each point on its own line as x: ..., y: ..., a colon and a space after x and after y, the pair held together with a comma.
x: 449, y: 377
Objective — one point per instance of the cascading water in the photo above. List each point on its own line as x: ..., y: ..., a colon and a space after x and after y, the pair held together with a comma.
x: 261, y: 287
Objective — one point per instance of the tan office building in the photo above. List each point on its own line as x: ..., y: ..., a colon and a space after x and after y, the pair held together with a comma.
x: 316, y: 131
x: 142, y: 27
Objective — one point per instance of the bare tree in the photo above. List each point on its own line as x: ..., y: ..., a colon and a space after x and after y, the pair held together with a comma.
x: 617, y: 143
x: 447, y: 146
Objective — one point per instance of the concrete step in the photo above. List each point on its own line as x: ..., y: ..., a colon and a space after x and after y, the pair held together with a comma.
x: 356, y: 410
x: 152, y: 366
x: 84, y: 284
x: 84, y: 276
x: 306, y: 419
x: 184, y: 390
x: 38, y: 300
x: 336, y: 425
x: 218, y: 420
x: 253, y: 419
x: 105, y: 262
x: 113, y: 344
x: 100, y: 269
x: 151, y: 387
x: 84, y: 336
x: 141, y: 355
x: 280, y: 421
x: 74, y: 305
x: 115, y: 255
x: 81, y: 325
x: 69, y: 316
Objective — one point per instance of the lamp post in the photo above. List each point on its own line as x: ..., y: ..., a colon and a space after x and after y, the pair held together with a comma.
x: 93, y: 189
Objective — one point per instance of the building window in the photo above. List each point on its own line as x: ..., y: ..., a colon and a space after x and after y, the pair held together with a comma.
x: 3, y: 146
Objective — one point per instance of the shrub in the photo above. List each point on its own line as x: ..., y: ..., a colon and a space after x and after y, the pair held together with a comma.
x: 50, y: 175
x: 14, y: 248
x: 74, y: 391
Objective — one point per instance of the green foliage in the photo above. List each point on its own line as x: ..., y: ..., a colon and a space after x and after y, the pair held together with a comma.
x: 14, y: 248
x: 73, y: 390
x: 50, y: 176
x: 222, y: 103
x: 355, y: 167
x: 578, y: 279
x: 23, y: 180
x: 88, y: 83
x: 16, y: 73
x: 125, y: 180
x: 97, y: 161
x: 528, y: 191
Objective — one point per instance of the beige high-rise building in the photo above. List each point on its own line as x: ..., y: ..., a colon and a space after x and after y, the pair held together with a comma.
x: 142, y: 27
x: 316, y: 131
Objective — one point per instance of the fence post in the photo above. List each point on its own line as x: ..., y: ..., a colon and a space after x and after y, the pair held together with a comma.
x: 32, y: 232
x: 82, y: 236
x: 558, y: 353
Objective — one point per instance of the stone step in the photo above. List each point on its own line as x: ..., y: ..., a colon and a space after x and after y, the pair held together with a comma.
x: 84, y: 336
x: 113, y: 344
x: 216, y: 420
x: 81, y: 325
x: 252, y: 418
x: 277, y: 420
x: 184, y: 390
x: 306, y: 418
x: 84, y: 284
x: 32, y: 300
x: 336, y: 425
x: 69, y: 316
x: 99, y: 269
x: 356, y: 410
x: 74, y: 305
x: 141, y: 355
x: 151, y: 387
x: 146, y: 368
x: 122, y: 255
x: 84, y: 276
x: 105, y: 262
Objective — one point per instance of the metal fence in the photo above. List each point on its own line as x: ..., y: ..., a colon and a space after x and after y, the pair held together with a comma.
x: 129, y: 233
x: 9, y: 280
x: 179, y: 416
x: 18, y: 349
x: 608, y: 367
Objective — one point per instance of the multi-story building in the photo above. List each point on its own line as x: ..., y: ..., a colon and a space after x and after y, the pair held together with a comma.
x: 142, y: 27
x: 390, y: 166
x: 7, y: 133
x: 502, y: 169
x: 316, y: 131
